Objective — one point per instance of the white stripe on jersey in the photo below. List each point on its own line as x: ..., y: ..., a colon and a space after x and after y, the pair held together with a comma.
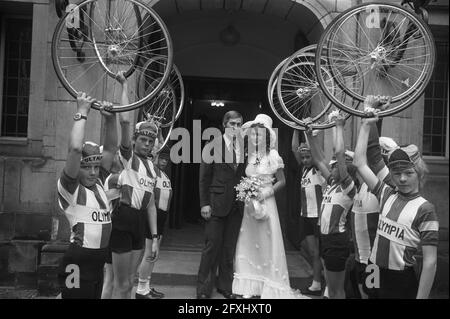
x: 400, y: 234
x: 409, y: 212
x: 362, y: 240
x: 91, y: 215
x: 309, y: 181
x: 364, y: 204
x: 163, y: 184
x: 92, y: 236
x: 138, y: 180
x: 349, y: 188
x: 396, y: 253
x: 338, y: 202
x: 429, y: 226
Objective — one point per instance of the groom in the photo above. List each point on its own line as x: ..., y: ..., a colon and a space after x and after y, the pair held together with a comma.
x: 223, y: 214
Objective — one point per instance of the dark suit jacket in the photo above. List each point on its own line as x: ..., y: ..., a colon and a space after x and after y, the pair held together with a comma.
x: 218, y: 179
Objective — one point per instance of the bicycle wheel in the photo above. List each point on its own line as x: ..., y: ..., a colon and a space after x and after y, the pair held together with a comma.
x: 175, y: 82
x: 117, y: 46
x: 162, y: 109
x: 115, y: 38
x: 392, y: 47
x: 300, y: 94
x: 273, y: 99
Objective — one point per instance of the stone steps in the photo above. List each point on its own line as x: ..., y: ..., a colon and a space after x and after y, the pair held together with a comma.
x: 176, y: 266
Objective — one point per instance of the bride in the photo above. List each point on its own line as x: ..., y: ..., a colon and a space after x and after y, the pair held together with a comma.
x: 260, y: 260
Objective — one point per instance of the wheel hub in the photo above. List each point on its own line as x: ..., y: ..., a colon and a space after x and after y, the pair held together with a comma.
x: 113, y: 50
x: 165, y: 92
x: 305, y: 92
x: 378, y: 56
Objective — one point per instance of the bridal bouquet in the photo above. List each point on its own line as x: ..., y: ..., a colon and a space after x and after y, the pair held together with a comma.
x: 248, y: 188
x: 247, y: 192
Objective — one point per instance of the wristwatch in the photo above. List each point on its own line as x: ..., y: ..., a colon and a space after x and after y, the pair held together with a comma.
x: 79, y: 116
x: 154, y: 236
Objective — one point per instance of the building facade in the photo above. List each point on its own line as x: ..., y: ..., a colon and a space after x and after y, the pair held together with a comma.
x: 215, y: 41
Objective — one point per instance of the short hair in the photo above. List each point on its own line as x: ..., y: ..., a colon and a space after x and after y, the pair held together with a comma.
x: 410, y: 153
x: 231, y: 115
x: 421, y: 169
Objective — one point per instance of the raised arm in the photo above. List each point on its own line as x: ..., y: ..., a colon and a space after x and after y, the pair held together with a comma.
x: 360, y: 158
x: 159, y: 139
x: 124, y: 117
x: 317, y: 154
x: 339, y: 144
x: 76, y: 138
x: 374, y: 157
x: 295, y: 144
x: 110, y: 143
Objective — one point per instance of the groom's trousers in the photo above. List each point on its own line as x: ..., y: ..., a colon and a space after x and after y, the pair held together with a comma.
x: 221, y: 234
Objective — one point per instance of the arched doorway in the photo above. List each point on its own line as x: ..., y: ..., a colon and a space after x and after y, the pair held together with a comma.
x: 230, y: 48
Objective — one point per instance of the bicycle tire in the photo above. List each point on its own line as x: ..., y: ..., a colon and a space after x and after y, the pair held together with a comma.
x: 60, y: 27
x: 175, y: 81
x: 296, y: 80
x: 402, y: 101
x: 273, y: 99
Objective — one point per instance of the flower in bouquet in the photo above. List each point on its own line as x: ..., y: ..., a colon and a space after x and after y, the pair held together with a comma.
x: 248, y: 188
x: 247, y: 192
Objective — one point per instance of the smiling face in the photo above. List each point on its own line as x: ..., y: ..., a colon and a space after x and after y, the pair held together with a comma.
x: 88, y: 174
x: 406, y: 180
x: 143, y: 145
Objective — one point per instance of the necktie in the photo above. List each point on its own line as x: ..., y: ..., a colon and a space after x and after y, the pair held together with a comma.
x: 235, y: 163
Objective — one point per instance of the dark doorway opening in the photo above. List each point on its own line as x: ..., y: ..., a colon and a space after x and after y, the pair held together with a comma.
x: 249, y: 98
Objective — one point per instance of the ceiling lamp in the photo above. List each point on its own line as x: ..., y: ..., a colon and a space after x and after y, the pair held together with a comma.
x: 217, y: 103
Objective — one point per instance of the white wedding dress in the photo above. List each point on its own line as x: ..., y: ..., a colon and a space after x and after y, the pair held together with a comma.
x: 260, y: 262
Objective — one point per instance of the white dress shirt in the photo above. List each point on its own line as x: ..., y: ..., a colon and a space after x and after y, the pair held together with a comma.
x: 229, y: 145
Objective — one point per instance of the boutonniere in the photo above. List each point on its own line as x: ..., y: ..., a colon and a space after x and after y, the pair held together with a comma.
x: 257, y: 161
